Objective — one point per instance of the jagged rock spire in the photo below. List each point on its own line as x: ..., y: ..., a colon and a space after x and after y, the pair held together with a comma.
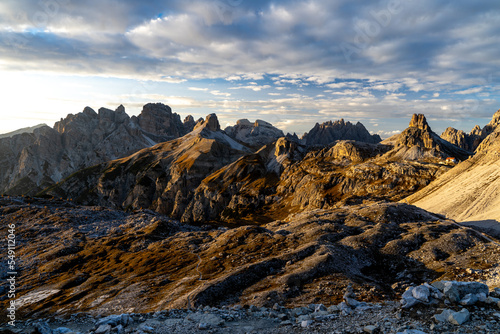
x: 419, y: 121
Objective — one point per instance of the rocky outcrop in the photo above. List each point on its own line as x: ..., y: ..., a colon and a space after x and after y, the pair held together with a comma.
x: 161, y: 178
x: 469, y: 192
x: 355, y: 151
x: 32, y: 161
x: 256, y: 134
x: 419, y: 142
x: 329, y: 132
x: 471, y: 141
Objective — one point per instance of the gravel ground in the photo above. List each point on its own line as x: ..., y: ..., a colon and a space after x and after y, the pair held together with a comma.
x: 379, y: 318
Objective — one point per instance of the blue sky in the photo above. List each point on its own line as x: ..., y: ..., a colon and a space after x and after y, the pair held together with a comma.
x: 292, y: 63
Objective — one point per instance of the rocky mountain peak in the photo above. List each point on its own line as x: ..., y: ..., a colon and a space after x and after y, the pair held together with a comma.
x: 418, y: 141
x: 259, y: 133
x: 243, y: 122
x: 476, y: 131
x: 495, y: 121
x: 89, y: 112
x: 419, y: 121
x: 120, y: 109
x: 189, y: 123
x: 211, y: 123
x: 329, y: 132
x: 285, y: 147
x: 158, y: 119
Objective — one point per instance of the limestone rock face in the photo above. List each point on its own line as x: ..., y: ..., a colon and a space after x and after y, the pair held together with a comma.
x: 33, y: 161
x: 355, y: 151
x: 329, y: 132
x: 419, y: 121
x: 459, y: 138
x: 158, y: 119
x: 236, y: 190
x: 418, y: 142
x: 259, y: 133
x: 211, y: 123
x: 21, y: 131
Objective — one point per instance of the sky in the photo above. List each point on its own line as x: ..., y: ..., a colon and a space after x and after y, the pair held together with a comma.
x: 292, y: 63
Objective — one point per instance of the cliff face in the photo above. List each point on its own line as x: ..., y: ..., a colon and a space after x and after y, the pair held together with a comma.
x: 329, y: 132
x: 33, y: 161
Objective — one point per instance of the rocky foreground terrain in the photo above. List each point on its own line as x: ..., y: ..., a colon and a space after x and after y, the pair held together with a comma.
x: 99, y: 261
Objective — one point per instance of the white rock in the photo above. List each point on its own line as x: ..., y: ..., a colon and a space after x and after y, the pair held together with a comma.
x: 469, y: 299
x: 421, y: 293
x: 306, y: 323
x: 371, y: 329
x: 459, y: 318
x: 443, y: 316
x: 103, y: 329
x: 203, y: 326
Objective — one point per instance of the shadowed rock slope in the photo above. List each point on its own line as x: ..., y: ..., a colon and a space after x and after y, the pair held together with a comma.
x: 74, y: 258
x: 32, y: 161
x: 471, y: 190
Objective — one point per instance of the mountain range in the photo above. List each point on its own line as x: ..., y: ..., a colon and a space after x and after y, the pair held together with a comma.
x: 33, y: 160
x: 148, y: 213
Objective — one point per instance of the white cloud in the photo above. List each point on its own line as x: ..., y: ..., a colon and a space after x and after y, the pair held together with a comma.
x: 255, y: 87
x: 198, y: 89
x: 219, y: 93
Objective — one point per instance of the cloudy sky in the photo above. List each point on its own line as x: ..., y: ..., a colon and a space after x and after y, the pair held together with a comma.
x: 293, y: 63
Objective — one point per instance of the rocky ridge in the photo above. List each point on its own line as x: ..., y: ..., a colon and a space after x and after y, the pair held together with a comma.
x: 97, y: 260
x: 473, y: 139
x: 21, y: 131
x: 33, y: 161
x: 256, y: 134
x: 329, y: 132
